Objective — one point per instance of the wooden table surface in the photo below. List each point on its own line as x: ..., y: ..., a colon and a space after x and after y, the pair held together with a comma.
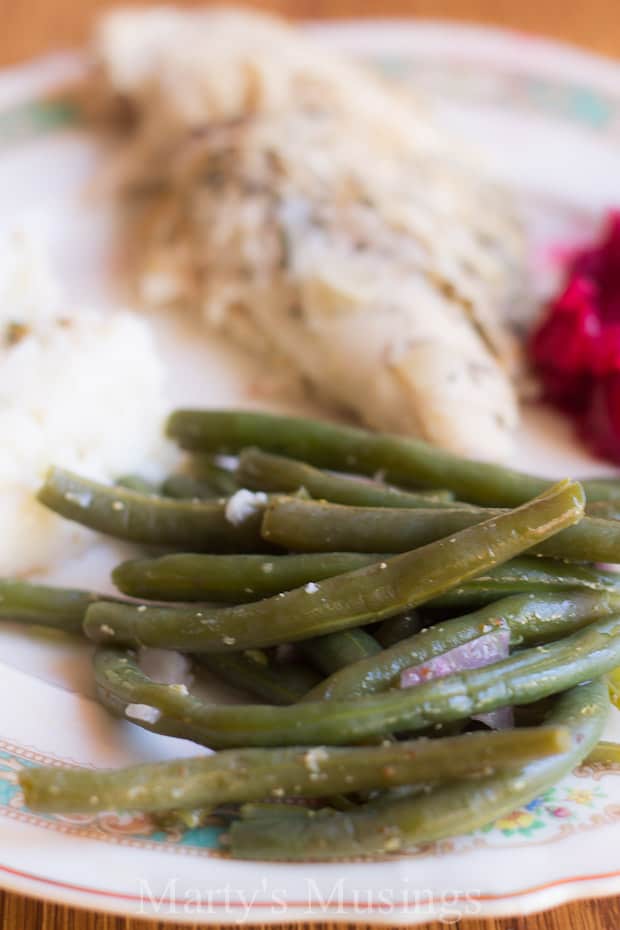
x: 32, y: 27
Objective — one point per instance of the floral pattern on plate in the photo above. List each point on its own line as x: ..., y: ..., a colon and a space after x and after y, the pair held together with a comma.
x: 580, y: 802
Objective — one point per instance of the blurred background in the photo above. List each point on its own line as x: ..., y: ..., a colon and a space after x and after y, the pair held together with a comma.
x: 32, y: 27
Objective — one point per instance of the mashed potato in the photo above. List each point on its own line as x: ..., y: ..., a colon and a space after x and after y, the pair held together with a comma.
x: 79, y: 388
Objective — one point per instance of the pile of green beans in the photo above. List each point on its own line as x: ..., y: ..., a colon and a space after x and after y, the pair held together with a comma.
x: 525, y: 677
x: 408, y: 462
x: 393, y: 825
x: 309, y: 574
x: 344, y: 601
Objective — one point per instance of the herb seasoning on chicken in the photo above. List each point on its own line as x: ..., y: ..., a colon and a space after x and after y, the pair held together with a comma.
x: 317, y: 215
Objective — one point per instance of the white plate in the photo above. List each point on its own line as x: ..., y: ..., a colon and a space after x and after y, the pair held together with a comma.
x: 549, y: 119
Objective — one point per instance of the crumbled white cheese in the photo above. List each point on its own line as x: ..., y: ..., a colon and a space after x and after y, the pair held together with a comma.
x: 313, y: 759
x: 81, y: 498
x: 165, y: 666
x: 228, y: 462
x: 142, y: 712
x: 311, y: 588
x: 243, y: 504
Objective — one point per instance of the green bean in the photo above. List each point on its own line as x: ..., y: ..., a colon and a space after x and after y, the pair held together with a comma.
x: 337, y: 650
x: 606, y: 510
x: 345, y: 448
x: 604, y: 753
x: 527, y: 575
x: 263, y: 472
x: 179, y: 820
x: 605, y: 488
x: 614, y: 687
x: 41, y: 605
x: 184, y: 487
x: 395, y: 629
x: 531, y: 619
x: 236, y: 776
x: 231, y: 578
x: 198, y: 525
x: 137, y: 483
x: 523, y: 678
x: 220, y: 480
x: 267, y: 809
x: 352, y: 599
x: 315, y: 526
x: 392, y: 825
x: 253, y: 672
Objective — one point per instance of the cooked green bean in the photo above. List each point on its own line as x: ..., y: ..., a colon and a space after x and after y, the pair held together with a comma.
x: 531, y: 619
x: 392, y: 825
x: 284, y: 809
x: 137, y: 483
x: 606, y: 510
x: 184, y: 487
x: 234, y: 578
x: 315, y: 526
x: 395, y: 629
x: 352, y: 599
x: 605, y: 488
x: 235, y: 776
x: 252, y: 671
x: 197, y: 525
x: 182, y: 819
x: 345, y: 448
x: 523, y: 678
x: 264, y: 472
x: 527, y: 575
x: 42, y: 605
x: 604, y: 753
x: 337, y: 650
x: 220, y: 480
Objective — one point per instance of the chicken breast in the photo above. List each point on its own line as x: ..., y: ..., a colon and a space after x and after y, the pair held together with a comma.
x: 318, y: 216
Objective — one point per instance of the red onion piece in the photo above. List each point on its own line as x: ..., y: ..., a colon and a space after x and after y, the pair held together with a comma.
x: 484, y: 650
x: 501, y: 719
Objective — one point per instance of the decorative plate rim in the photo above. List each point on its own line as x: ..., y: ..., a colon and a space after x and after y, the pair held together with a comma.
x: 528, y: 54
x: 533, y: 900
